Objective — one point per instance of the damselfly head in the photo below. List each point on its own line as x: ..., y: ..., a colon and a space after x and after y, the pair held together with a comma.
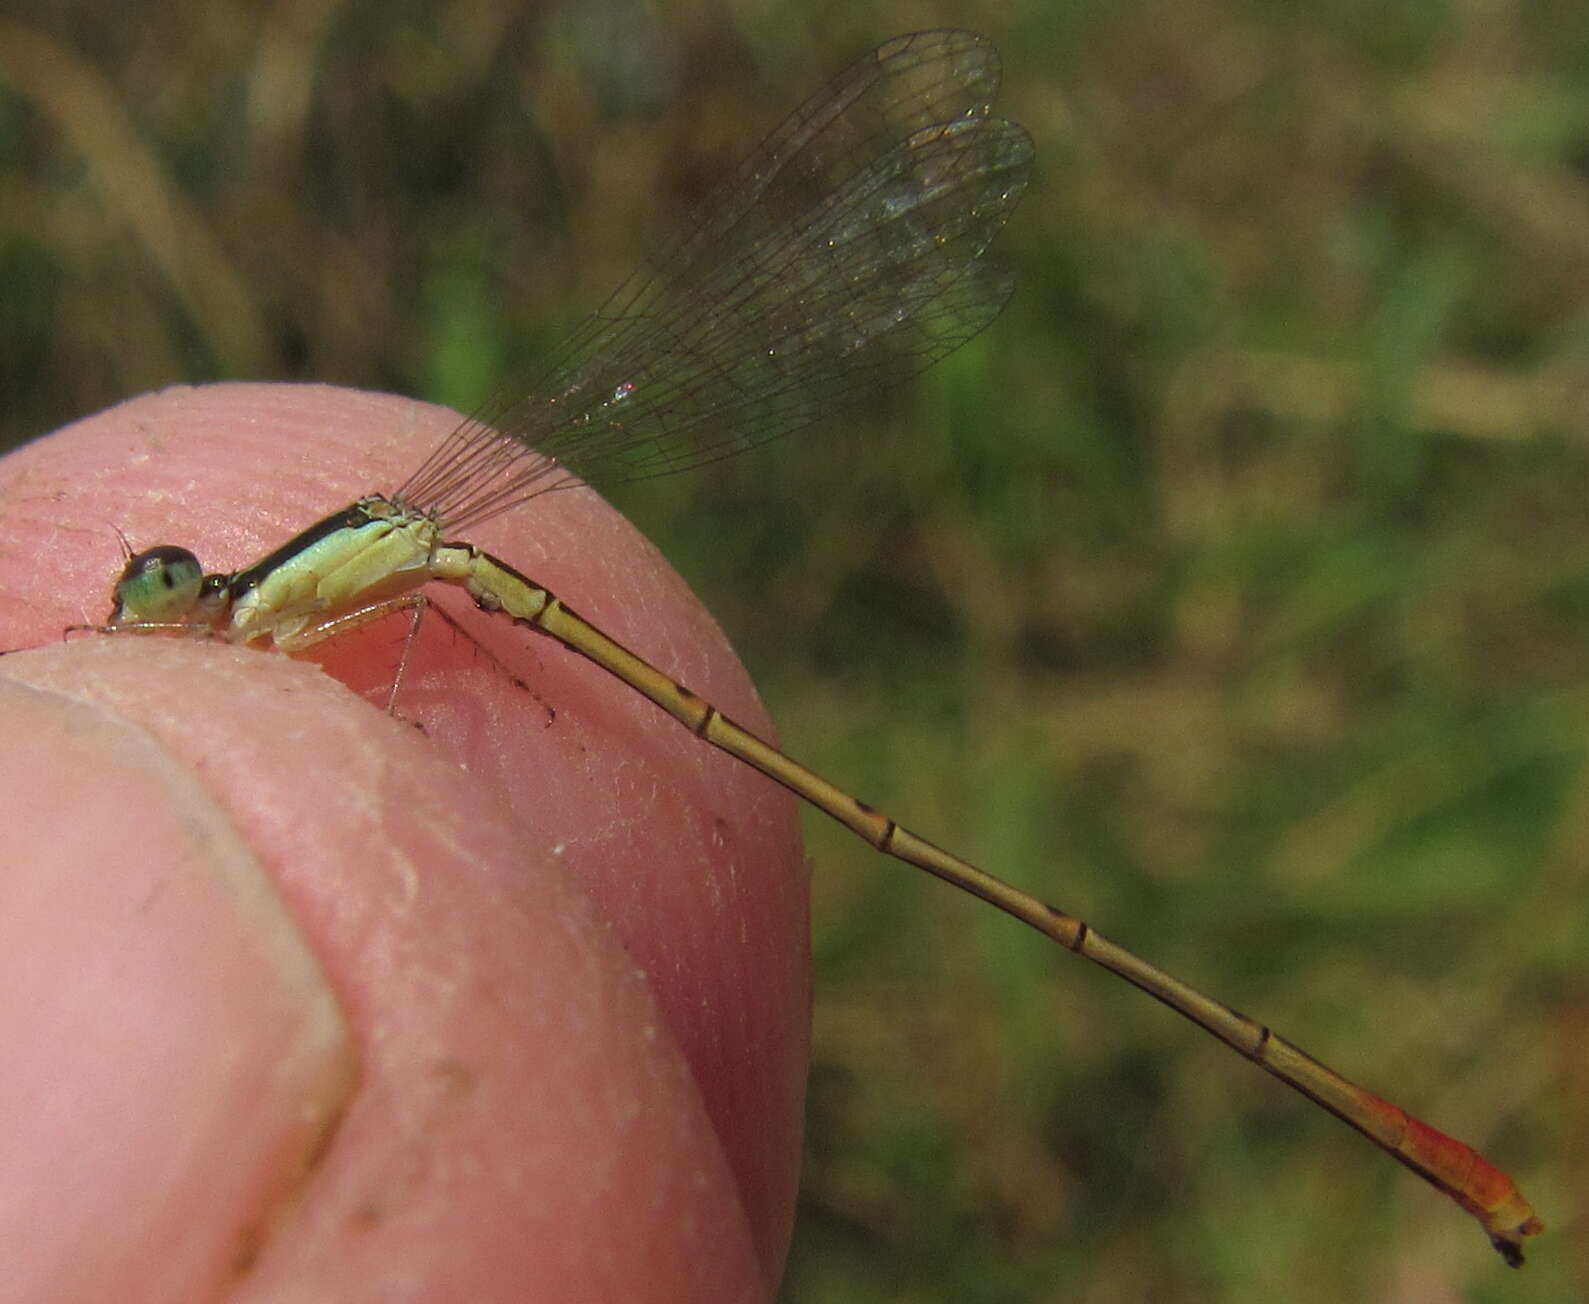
x: 158, y: 586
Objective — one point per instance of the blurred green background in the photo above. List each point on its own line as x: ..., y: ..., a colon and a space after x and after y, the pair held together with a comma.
x: 1231, y: 591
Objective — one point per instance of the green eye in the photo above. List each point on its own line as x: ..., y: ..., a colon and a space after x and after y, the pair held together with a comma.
x: 159, y: 586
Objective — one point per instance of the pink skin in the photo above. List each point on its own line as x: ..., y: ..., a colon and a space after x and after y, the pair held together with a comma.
x: 502, y: 999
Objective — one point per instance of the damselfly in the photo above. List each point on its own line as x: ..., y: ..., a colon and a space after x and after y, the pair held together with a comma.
x: 845, y: 254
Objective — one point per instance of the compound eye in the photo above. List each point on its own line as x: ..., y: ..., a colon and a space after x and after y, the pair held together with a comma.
x: 160, y: 586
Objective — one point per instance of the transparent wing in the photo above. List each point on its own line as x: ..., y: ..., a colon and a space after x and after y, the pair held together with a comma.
x: 844, y: 255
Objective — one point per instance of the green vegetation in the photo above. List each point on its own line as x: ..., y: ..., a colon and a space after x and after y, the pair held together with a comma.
x: 1232, y: 591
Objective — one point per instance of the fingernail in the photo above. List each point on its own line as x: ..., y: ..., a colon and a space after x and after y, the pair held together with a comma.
x: 171, y: 1057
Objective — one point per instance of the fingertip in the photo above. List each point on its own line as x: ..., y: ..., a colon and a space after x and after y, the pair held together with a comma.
x: 693, y: 859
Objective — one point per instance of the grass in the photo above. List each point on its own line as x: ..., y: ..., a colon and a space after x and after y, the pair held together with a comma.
x: 1232, y: 591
